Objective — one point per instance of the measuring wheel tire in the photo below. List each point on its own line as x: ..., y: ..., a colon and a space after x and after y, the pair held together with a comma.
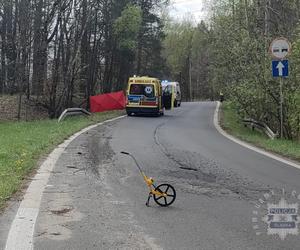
x: 165, y: 201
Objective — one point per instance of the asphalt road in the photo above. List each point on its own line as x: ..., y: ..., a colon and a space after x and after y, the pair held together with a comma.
x: 95, y: 198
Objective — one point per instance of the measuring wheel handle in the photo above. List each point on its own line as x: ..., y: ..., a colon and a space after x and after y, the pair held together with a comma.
x: 167, y: 197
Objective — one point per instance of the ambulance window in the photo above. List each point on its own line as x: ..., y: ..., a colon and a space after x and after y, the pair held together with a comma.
x: 149, y: 90
x: 136, y: 89
x: 142, y: 89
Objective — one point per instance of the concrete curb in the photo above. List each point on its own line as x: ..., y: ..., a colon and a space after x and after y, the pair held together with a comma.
x: 21, y: 232
x: 249, y: 146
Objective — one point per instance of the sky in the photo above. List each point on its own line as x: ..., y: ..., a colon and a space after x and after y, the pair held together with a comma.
x: 181, y: 8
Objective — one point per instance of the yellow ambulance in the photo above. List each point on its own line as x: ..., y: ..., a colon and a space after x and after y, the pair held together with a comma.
x: 144, y: 96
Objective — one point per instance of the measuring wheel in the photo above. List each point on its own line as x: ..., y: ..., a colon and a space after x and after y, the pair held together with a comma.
x: 169, y: 195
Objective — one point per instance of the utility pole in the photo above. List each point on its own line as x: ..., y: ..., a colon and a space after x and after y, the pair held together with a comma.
x: 190, y: 76
x: 180, y: 77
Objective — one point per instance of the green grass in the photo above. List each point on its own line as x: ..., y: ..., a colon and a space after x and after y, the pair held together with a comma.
x: 232, y: 124
x: 22, y: 144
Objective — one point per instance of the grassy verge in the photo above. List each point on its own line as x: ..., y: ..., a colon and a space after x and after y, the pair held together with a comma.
x: 23, y: 143
x: 232, y: 124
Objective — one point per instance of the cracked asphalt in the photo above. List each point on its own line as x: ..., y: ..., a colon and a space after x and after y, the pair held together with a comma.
x: 95, y: 198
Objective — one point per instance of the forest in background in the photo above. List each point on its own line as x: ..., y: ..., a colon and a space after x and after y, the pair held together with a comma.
x: 230, y: 54
x: 56, y: 53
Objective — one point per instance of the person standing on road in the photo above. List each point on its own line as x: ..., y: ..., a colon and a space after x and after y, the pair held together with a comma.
x: 221, y: 97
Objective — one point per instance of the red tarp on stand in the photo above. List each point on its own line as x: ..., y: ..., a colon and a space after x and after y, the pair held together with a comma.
x: 106, y: 102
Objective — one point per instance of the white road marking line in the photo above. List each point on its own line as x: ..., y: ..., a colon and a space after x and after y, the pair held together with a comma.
x: 247, y: 145
x: 21, y: 232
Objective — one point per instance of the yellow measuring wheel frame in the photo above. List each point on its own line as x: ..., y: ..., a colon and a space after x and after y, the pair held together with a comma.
x: 164, y: 194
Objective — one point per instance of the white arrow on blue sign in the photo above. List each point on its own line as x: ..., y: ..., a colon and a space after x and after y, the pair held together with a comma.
x: 280, y: 68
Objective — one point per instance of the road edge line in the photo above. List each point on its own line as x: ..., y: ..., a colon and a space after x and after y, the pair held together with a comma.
x: 21, y: 231
x: 247, y: 145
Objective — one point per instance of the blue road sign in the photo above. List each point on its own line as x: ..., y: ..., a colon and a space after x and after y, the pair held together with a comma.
x: 280, y: 68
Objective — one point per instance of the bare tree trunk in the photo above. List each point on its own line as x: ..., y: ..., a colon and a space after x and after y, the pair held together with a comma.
x: 19, y: 106
x: 10, y: 47
x: 3, y: 79
x: 38, y: 50
x: 246, y: 14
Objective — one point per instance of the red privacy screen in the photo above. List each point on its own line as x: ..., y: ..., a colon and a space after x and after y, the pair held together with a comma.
x: 106, y: 102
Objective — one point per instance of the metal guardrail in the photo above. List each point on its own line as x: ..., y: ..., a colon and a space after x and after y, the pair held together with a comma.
x: 260, y: 126
x: 72, y: 112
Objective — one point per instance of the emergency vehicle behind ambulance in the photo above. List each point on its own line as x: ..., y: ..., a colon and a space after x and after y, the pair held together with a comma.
x: 174, y: 89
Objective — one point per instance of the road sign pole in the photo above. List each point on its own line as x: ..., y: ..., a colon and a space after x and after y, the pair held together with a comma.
x: 280, y: 48
x: 281, y: 107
